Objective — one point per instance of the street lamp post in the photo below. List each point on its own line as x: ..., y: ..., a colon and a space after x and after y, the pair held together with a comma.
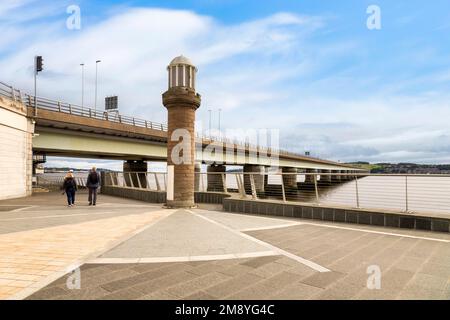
x: 82, y: 84
x: 220, y: 111
x: 209, y: 110
x: 96, y: 81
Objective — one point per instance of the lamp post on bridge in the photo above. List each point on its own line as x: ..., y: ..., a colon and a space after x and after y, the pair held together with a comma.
x: 96, y: 80
x: 82, y: 84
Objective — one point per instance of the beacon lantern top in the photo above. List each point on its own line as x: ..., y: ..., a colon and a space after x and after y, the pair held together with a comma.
x: 181, y: 73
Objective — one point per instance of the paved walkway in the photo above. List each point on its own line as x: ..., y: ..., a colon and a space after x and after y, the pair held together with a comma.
x: 132, y: 250
x: 40, y: 243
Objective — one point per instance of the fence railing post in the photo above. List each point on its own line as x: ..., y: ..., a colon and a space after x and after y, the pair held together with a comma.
x: 139, y: 180
x: 13, y: 94
x: 131, y: 179
x: 316, y: 188
x: 252, y: 184
x: 357, y: 192
x: 406, y: 194
x: 158, y: 186
x: 224, y: 183
x: 283, y: 190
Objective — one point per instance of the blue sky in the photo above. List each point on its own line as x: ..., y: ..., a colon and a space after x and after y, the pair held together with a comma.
x: 310, y: 68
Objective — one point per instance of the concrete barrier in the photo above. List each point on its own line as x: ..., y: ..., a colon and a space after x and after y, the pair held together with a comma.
x: 137, y: 194
x: 356, y: 216
x: 160, y: 196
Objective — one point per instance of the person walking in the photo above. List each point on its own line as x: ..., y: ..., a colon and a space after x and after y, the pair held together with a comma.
x: 70, y: 188
x: 93, y: 182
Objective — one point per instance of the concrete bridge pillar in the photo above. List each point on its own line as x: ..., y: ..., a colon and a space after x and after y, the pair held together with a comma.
x: 289, y: 179
x: 134, y: 173
x: 181, y: 101
x: 197, y: 171
x: 324, y: 177
x: 216, y: 178
x: 309, y: 178
x: 259, y: 178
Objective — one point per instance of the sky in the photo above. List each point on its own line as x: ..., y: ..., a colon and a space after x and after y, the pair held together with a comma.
x: 311, y: 69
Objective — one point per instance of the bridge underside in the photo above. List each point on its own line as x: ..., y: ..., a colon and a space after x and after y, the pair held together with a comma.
x: 65, y: 143
x: 70, y: 143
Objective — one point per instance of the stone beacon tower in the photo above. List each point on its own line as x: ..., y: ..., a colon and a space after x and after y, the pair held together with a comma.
x: 181, y: 102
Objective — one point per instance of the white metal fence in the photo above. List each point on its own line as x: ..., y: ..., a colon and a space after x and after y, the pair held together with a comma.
x: 407, y: 193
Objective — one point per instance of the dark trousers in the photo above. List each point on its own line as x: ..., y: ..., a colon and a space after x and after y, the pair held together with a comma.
x: 92, y: 196
x: 70, y: 196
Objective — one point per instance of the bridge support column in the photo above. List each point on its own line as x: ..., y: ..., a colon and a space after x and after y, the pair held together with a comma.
x: 181, y: 101
x: 336, y: 179
x: 324, y: 177
x: 309, y: 178
x: 216, y: 178
x: 290, y: 179
x: 134, y: 173
x: 258, y: 178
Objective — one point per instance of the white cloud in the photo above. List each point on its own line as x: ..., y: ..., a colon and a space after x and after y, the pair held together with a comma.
x: 265, y: 73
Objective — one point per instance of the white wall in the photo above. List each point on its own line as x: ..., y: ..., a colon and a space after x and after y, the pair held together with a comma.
x: 15, y: 154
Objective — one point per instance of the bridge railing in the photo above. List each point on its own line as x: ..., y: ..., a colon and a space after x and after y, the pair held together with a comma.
x: 63, y: 107
x: 151, y: 181
x: 409, y: 193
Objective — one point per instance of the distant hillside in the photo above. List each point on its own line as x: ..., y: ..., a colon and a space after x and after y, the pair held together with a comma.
x: 411, y: 168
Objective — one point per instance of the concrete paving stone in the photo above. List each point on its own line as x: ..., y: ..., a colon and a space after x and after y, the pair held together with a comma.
x: 408, y: 263
x: 357, y: 277
x: 133, y: 280
x: 429, y: 282
x: 164, y: 282
x: 322, y: 279
x: 331, y: 256
x: 189, y: 287
x: 124, y: 294
x: 90, y: 293
x: 395, y: 279
x: 415, y: 292
x: 269, y: 270
x: 436, y: 269
x: 206, y: 268
x: 253, y: 292
x: 261, y: 261
x: 296, y: 291
x: 280, y: 280
x: 105, y: 278
x: 146, y: 267
x: 48, y: 293
x: 199, y: 295
x: 339, y: 291
x: 236, y: 270
x: 375, y: 294
x: 158, y: 295
x: 233, y: 285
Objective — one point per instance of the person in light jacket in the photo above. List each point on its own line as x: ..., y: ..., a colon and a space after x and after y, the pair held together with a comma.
x: 93, y: 182
x: 70, y: 188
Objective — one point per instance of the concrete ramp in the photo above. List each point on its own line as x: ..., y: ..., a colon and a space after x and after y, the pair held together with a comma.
x: 183, y: 235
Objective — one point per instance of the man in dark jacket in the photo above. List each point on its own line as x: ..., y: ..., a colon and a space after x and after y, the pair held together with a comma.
x: 93, y: 182
x: 70, y: 187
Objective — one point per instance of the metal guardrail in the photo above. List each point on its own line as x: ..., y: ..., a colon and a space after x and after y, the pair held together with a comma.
x: 402, y: 192
x: 151, y: 181
x: 57, y: 181
x: 63, y: 107
x: 69, y: 108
